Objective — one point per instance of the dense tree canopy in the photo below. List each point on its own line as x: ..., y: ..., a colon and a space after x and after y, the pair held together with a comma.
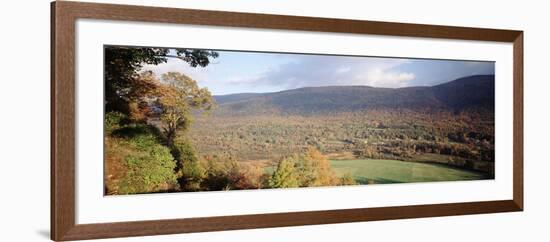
x: 123, y: 85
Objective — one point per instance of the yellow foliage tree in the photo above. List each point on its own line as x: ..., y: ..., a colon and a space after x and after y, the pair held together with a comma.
x: 285, y: 174
x: 315, y: 169
x: 179, y: 95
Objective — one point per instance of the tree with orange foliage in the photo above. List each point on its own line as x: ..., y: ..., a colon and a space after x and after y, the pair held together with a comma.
x: 315, y: 169
x: 248, y: 176
x: 145, y: 88
x: 179, y: 95
x: 309, y: 169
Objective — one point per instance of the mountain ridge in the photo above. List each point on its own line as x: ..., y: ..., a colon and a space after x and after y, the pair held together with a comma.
x: 458, y: 94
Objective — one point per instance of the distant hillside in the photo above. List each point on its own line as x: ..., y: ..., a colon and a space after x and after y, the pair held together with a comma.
x: 467, y: 92
x: 472, y: 91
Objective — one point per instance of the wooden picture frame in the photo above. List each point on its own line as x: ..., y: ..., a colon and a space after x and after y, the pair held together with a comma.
x: 63, y: 18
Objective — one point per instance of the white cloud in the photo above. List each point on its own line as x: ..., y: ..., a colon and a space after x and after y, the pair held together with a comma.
x: 381, y: 78
x: 302, y: 71
x: 333, y: 71
x: 381, y: 72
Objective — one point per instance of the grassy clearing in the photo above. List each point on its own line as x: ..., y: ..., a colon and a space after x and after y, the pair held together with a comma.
x: 369, y: 171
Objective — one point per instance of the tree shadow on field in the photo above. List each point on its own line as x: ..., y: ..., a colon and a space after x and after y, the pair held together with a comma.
x: 134, y: 130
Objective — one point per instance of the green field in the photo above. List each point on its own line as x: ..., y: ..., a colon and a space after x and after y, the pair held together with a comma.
x: 370, y: 171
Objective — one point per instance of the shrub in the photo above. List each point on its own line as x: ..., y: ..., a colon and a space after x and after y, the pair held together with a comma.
x: 189, y: 170
x: 347, y: 179
x: 113, y: 120
x: 150, y: 166
x: 248, y: 176
x: 218, y: 172
x: 184, y: 152
x: 133, y: 130
x: 192, y: 174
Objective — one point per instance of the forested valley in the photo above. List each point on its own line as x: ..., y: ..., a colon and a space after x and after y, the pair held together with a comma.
x: 165, y: 133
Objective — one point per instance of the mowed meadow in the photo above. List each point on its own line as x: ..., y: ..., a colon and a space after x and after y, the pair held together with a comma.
x: 164, y: 132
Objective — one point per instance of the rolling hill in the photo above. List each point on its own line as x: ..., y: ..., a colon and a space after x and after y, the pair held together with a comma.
x: 466, y: 92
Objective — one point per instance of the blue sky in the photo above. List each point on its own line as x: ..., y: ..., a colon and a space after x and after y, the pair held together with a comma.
x: 244, y: 72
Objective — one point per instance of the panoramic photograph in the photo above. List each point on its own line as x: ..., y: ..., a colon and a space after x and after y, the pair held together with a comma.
x: 197, y: 120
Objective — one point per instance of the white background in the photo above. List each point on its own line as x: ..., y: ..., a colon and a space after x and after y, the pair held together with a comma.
x: 24, y: 205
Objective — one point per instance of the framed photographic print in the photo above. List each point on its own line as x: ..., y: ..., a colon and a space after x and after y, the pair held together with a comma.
x: 172, y: 120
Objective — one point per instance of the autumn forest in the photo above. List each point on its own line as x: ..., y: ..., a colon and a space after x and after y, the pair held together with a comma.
x: 187, y: 120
